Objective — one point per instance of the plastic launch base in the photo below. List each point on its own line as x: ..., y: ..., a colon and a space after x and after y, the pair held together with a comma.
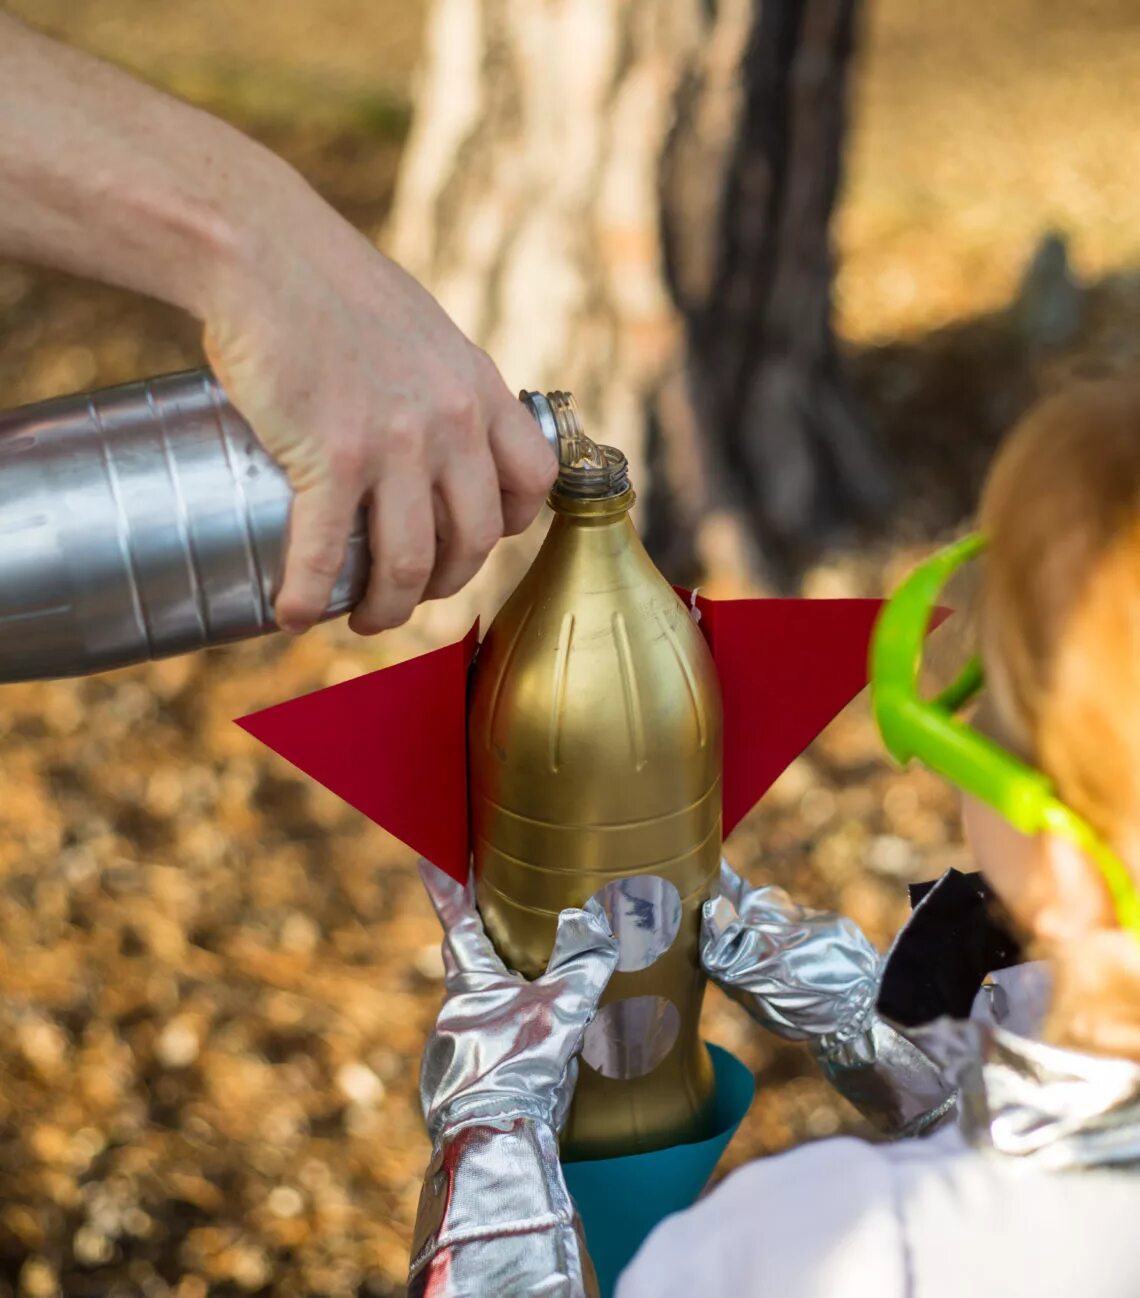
x: 620, y: 1200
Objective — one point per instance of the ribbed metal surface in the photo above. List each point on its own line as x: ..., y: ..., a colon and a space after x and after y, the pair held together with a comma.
x: 138, y: 522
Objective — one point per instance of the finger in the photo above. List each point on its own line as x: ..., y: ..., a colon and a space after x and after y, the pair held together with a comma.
x: 466, y: 947
x: 732, y: 885
x: 469, y: 521
x: 585, y: 953
x: 518, y: 512
x: 525, y: 463
x: 401, y: 527
x: 448, y: 897
x: 716, y: 915
x: 594, y: 907
x: 320, y: 521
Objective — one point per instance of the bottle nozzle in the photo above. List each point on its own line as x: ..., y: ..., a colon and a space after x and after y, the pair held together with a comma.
x: 585, y: 468
x: 557, y: 416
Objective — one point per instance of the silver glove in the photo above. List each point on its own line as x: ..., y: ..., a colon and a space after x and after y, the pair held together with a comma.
x: 498, y: 1075
x: 811, y: 975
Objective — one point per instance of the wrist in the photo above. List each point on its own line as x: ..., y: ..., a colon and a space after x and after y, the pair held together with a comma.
x: 231, y: 225
x: 490, y: 1109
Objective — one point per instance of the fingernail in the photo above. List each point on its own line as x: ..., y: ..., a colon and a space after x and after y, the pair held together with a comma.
x: 294, y: 628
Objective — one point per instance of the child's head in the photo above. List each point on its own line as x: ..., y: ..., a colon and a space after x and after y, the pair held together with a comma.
x: 1060, y: 643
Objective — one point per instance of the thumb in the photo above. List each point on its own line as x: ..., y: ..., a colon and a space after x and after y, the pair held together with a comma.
x: 732, y: 885
x: 449, y: 898
x: 585, y: 952
x: 717, y: 914
x: 719, y: 932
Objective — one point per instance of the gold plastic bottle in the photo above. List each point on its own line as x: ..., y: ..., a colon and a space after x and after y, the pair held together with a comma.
x: 595, y: 761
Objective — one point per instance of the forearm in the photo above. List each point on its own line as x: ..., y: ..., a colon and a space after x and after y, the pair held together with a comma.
x: 495, y: 1217
x: 106, y: 177
x: 887, y: 1078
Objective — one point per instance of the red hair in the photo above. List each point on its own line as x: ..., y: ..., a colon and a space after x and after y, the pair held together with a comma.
x: 1060, y: 639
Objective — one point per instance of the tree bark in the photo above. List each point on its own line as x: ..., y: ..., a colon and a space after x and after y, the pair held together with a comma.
x: 630, y: 199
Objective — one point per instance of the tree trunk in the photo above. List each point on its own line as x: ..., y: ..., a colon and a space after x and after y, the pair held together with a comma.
x: 630, y: 199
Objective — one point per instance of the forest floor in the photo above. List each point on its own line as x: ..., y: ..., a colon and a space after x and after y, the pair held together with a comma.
x: 215, y: 979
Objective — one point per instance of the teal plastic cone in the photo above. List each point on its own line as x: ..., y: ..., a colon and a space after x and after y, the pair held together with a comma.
x: 620, y: 1200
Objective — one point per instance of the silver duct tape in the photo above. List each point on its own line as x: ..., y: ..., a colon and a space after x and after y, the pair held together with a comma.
x: 146, y: 520
x: 138, y: 522
x: 889, y: 1079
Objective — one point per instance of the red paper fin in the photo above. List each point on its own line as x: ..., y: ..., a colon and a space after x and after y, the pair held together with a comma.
x: 786, y: 668
x: 392, y: 744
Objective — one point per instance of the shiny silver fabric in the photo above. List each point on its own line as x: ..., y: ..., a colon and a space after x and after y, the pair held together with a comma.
x: 804, y: 974
x: 812, y: 976
x: 495, y: 1217
x: 497, y: 1078
x: 888, y: 1078
x: 138, y: 522
x: 1058, y: 1109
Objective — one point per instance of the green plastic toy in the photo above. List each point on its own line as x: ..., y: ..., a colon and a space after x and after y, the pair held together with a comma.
x: 930, y: 731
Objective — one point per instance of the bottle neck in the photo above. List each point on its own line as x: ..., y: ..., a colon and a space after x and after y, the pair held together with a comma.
x: 592, y: 511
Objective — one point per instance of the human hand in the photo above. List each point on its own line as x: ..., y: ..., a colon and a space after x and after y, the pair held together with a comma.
x: 804, y: 974
x: 361, y: 387
x: 503, y: 1046
x: 351, y: 375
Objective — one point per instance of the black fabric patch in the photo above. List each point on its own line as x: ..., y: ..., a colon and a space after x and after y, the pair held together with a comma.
x: 951, y: 942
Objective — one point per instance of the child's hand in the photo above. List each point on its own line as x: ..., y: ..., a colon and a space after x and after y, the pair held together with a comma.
x: 504, y: 1047
x: 805, y: 974
x: 811, y: 975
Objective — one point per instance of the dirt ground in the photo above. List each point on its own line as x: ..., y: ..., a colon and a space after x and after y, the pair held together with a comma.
x: 214, y: 978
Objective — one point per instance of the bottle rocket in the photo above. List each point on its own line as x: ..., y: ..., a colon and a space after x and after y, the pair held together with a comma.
x: 594, y: 753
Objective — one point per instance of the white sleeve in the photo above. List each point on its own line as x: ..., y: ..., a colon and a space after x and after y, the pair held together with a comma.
x: 817, y: 1221
x: 1017, y: 998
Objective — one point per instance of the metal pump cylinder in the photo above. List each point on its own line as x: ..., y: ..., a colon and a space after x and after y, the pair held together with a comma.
x: 142, y: 521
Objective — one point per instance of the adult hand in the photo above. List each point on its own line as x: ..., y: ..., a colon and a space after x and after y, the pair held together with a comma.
x: 362, y: 388
x: 349, y: 372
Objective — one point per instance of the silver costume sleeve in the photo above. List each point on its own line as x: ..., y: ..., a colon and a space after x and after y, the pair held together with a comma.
x: 892, y: 1083
x: 813, y: 976
x: 495, y: 1216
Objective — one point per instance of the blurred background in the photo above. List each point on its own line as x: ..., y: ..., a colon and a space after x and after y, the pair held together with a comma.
x: 215, y: 979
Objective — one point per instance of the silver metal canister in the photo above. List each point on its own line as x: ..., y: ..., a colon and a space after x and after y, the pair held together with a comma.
x: 146, y: 520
